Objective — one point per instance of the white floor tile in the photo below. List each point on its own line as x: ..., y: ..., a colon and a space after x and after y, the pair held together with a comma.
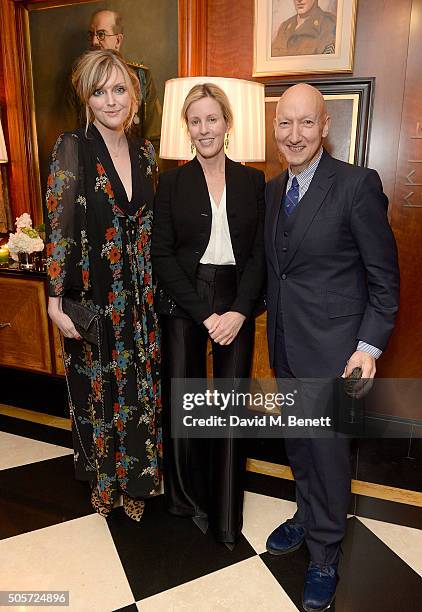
x: 247, y: 586
x: 406, y: 542
x: 261, y: 515
x: 77, y: 556
x: 17, y: 450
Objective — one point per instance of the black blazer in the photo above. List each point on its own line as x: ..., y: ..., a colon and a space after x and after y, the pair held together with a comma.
x: 182, y: 228
x: 339, y: 281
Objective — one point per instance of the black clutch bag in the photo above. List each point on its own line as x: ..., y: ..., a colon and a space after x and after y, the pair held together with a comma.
x: 86, y: 321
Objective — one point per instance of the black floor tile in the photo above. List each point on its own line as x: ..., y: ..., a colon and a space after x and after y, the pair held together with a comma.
x: 388, y: 462
x: 39, y: 495
x: 389, y: 511
x: 164, y: 551
x: 131, y: 608
x: 372, y: 576
x: 268, y: 485
x: 289, y: 570
x: 35, y: 431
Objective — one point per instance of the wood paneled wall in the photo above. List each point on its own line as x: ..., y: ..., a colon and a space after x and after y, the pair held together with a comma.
x: 388, y: 47
x: 406, y: 345
x: 22, y: 168
x: 216, y: 38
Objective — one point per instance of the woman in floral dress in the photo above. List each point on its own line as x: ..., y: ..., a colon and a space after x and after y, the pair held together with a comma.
x: 99, y: 214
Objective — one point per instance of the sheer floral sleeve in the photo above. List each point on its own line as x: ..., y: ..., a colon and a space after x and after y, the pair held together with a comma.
x: 61, y: 232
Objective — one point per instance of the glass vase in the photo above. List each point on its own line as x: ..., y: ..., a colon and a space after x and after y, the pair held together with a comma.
x: 26, y: 261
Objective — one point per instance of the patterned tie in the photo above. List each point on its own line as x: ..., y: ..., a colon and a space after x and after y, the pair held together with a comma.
x: 291, y: 198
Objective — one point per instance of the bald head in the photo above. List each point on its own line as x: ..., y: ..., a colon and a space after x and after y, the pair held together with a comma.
x: 303, y: 96
x: 106, y: 30
x: 300, y: 124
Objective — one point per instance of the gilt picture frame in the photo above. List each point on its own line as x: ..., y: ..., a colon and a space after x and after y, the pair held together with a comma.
x: 303, y: 36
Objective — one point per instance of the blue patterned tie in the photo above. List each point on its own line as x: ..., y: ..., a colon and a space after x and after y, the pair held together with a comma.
x: 291, y: 198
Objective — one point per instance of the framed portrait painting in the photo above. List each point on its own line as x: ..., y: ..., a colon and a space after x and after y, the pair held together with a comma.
x: 349, y: 104
x: 48, y: 36
x: 303, y: 36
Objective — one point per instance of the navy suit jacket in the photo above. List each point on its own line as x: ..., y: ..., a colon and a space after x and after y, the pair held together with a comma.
x: 339, y: 282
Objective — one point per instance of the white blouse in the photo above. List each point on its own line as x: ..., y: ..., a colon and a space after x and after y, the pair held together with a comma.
x: 219, y: 250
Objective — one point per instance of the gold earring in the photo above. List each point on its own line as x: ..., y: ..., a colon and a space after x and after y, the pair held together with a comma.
x: 226, y: 141
x: 192, y: 148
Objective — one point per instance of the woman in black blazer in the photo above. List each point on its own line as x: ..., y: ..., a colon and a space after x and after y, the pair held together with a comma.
x: 208, y: 256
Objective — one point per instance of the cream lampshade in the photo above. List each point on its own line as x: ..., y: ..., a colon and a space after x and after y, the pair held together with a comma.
x: 247, y: 135
x: 3, y: 151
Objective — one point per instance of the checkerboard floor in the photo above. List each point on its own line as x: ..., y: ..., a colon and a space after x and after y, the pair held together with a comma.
x: 50, y: 539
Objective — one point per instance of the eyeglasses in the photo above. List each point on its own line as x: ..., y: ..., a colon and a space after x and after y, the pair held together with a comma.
x: 99, y: 34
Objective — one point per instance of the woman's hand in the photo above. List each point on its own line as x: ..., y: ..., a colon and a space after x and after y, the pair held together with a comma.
x: 59, y: 318
x: 212, y: 322
x: 227, y: 327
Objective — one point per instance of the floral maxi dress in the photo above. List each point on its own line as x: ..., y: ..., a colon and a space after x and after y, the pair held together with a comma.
x: 98, y: 252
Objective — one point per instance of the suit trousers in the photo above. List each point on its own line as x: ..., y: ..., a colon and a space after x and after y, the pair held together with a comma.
x: 204, y: 478
x: 322, y: 472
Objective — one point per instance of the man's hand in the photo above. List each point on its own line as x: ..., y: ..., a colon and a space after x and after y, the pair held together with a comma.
x: 367, y: 363
x: 227, y: 328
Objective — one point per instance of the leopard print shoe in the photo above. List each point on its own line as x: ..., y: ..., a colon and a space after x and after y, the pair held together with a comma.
x: 99, y: 505
x: 134, y: 508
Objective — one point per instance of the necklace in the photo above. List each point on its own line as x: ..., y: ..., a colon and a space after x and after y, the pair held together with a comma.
x: 117, y: 152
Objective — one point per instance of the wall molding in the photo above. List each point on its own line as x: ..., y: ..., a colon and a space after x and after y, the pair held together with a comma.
x: 193, y: 21
x: 360, y: 487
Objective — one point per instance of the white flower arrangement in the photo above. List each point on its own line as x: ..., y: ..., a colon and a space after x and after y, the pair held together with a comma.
x: 26, y: 239
x: 23, y: 221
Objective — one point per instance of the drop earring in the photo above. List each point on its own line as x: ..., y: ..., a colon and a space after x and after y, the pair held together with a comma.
x: 226, y: 141
x: 192, y: 148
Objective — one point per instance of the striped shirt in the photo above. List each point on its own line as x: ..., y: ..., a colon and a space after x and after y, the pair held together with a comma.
x: 304, y: 179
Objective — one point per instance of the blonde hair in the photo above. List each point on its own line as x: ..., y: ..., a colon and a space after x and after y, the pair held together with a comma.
x: 209, y: 90
x: 93, y: 69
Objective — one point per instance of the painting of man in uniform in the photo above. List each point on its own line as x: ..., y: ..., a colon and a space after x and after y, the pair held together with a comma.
x: 143, y: 32
x: 303, y: 27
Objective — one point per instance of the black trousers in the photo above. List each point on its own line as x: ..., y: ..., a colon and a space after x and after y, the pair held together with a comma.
x: 322, y: 472
x: 204, y: 478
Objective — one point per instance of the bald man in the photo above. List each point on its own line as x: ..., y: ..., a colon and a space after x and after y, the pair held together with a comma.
x: 106, y: 32
x: 332, y: 298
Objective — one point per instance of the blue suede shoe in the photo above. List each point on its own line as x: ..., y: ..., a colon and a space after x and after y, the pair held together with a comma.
x: 285, y: 539
x: 320, y: 587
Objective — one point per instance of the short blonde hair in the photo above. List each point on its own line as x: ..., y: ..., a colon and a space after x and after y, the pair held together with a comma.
x: 208, y: 90
x: 93, y: 69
